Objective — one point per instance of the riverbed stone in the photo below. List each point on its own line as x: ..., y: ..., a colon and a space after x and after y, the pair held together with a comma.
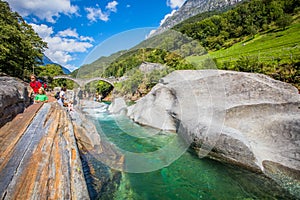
x: 241, y: 118
x: 118, y: 106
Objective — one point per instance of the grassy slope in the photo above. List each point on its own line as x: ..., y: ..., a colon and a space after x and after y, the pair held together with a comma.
x: 266, y: 46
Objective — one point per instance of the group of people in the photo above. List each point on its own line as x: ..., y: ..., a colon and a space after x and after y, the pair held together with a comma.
x: 38, y: 93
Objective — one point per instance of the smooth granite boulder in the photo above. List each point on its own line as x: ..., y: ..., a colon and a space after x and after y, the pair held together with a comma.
x: 13, y: 98
x: 242, y: 118
x: 118, y: 106
x: 42, y: 161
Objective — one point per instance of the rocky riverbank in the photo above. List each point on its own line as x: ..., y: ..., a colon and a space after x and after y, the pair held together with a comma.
x: 47, y: 152
x: 246, y: 119
x: 42, y: 161
x: 13, y: 98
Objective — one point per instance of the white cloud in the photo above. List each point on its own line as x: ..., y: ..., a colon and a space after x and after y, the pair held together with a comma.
x: 112, y: 6
x: 48, y: 10
x: 175, y: 3
x: 96, y: 13
x: 150, y: 34
x: 64, y: 44
x: 57, y: 43
x: 71, y: 67
x: 43, y: 30
x: 68, y: 33
x: 83, y: 38
x: 60, y: 57
x: 166, y: 17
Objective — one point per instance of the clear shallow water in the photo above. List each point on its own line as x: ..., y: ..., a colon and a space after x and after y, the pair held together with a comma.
x: 188, y: 177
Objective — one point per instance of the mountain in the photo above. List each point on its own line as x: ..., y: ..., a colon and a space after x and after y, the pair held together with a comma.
x: 65, y: 70
x: 193, y: 7
x: 97, y: 67
x: 169, y: 40
x: 47, y: 61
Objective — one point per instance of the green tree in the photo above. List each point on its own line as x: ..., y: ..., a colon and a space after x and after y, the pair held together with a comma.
x: 284, y: 21
x: 275, y: 10
x: 104, y: 88
x: 21, y: 48
x: 46, y: 73
x: 131, y: 85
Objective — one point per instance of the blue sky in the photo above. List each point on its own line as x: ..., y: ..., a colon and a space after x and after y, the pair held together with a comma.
x: 77, y: 30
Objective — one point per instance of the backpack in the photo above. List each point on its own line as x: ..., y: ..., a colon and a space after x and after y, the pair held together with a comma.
x: 44, y: 85
x: 57, y: 95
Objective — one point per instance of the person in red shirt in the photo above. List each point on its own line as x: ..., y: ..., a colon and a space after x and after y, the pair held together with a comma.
x: 35, y: 86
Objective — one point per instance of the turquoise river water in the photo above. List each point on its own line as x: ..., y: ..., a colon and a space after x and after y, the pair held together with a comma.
x: 188, y: 177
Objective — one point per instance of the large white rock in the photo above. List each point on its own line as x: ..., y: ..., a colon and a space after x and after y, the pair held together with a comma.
x: 243, y: 118
x: 118, y: 106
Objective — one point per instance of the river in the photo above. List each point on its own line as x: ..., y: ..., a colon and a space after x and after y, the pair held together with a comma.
x: 186, y: 177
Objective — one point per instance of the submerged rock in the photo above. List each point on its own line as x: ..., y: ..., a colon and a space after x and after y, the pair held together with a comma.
x: 242, y: 118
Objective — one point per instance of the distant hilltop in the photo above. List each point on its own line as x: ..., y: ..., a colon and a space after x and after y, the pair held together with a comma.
x: 47, y: 61
x: 191, y: 8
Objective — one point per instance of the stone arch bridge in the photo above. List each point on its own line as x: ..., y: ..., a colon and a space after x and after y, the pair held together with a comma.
x: 83, y: 82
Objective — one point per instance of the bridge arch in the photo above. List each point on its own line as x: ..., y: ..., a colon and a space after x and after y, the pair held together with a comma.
x: 83, y: 82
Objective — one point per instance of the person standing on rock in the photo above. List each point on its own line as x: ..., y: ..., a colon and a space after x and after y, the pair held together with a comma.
x: 35, y: 85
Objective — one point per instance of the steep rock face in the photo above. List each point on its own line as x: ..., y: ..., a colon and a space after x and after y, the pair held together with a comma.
x: 118, y: 106
x: 48, y: 153
x: 13, y: 98
x: 242, y: 118
x: 99, y: 156
x: 92, y: 142
x: 191, y: 8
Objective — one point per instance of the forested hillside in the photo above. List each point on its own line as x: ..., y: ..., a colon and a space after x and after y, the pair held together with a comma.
x: 255, y: 36
x: 161, y: 46
x: 248, y: 18
x: 169, y: 49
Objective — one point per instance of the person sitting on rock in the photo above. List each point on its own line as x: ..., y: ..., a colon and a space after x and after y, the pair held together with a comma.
x: 62, y: 96
x: 41, y: 96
